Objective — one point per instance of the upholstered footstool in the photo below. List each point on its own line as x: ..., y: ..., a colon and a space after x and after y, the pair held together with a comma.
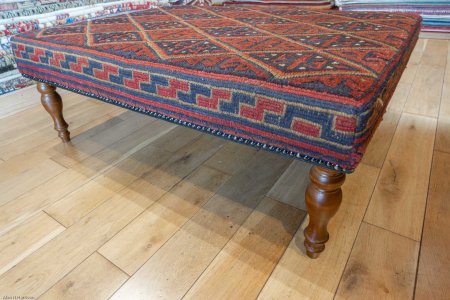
x: 311, y: 85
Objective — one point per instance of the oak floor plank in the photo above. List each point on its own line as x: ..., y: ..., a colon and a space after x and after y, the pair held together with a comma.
x: 170, y: 272
x: 46, y: 266
x: 95, y: 278
x: 15, y: 212
x: 241, y: 269
x: 180, y: 134
x: 399, y: 97
x: 107, y: 156
x: 20, y: 163
x: 390, y: 271
x: 297, y: 276
x: 24, y: 157
x: 22, y: 99
x: 410, y: 72
x: 230, y: 158
x: 425, y: 95
x: 42, y: 121
x: 402, y: 187
x: 291, y: 186
x: 132, y: 246
x: 443, y: 130
x: 47, y: 136
x: 414, y: 61
x: 25, y: 120
x: 107, y: 159
x: 29, y: 204
x: 443, y: 134
x: 434, y: 271
x: 80, y: 149
x: 379, y: 145
x: 421, y: 45
x: 148, y: 163
x: 19, y: 100
x: 23, y: 182
x: 23, y: 240
x: 139, y: 240
x: 435, y: 53
x: 66, y: 182
x: 74, y: 206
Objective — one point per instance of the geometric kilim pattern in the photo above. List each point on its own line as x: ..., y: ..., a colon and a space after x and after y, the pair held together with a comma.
x: 310, y: 84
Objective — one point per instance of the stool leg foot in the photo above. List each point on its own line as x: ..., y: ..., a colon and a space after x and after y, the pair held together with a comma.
x: 323, y: 198
x: 52, y: 103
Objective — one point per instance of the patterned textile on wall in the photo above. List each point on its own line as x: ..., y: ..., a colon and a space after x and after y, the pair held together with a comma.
x: 435, y: 13
x: 311, y: 84
x: 310, y: 4
x: 196, y: 2
x: 25, y: 15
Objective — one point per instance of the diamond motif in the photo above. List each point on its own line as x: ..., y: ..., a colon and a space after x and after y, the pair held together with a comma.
x: 334, y: 41
x: 273, y: 43
x: 173, y: 34
x: 111, y: 20
x: 189, y: 47
x: 261, y: 43
x: 152, y: 25
x: 232, y: 31
x: 111, y: 37
x: 353, y: 26
x: 64, y: 30
x: 263, y: 20
x: 301, y: 62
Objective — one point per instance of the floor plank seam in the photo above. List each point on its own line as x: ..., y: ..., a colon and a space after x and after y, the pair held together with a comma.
x: 281, y: 256
x: 393, y: 232
x: 429, y: 175
x: 51, y: 217
x: 37, y: 249
x: 116, y: 266
x: 218, y: 253
x: 179, y: 229
x: 88, y: 180
x: 122, y: 284
x: 386, y: 153
x: 163, y: 195
x: 404, y: 103
x: 65, y: 275
x: 428, y: 190
x: 279, y: 201
x: 35, y: 130
x: 56, y: 141
x: 420, y: 115
x: 162, y: 245
x: 231, y: 237
x: 106, y: 169
x: 27, y: 191
x: 357, y: 233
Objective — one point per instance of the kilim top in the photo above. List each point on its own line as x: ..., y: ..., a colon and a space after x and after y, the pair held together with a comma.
x: 308, y: 84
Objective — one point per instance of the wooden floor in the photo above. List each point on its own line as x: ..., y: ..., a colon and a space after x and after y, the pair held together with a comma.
x: 136, y: 208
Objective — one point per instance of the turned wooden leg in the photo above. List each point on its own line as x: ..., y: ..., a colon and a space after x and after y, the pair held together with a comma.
x: 323, y: 198
x: 52, y: 103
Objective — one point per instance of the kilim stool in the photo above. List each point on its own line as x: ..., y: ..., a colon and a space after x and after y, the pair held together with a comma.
x: 312, y: 85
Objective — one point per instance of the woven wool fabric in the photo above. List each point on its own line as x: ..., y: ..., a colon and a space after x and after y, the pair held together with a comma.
x: 308, y: 84
x: 25, y: 15
x: 435, y: 13
x: 309, y: 4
